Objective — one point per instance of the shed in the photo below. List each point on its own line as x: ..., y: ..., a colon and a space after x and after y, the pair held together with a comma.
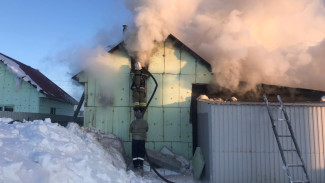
x: 238, y: 144
x: 25, y: 89
x: 175, y: 67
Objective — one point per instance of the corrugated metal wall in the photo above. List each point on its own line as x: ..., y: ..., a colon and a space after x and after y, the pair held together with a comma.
x: 243, y: 148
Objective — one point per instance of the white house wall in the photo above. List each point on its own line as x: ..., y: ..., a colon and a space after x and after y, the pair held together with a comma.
x: 242, y: 147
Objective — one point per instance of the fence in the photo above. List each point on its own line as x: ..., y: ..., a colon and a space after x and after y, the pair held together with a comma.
x: 21, y: 116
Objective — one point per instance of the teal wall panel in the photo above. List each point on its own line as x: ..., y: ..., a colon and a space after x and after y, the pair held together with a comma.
x: 156, y: 126
x: 104, y: 119
x: 186, y: 82
x: 157, y: 60
x: 186, y: 126
x: 203, y: 78
x: 128, y: 148
x: 122, y: 90
x: 150, y: 145
x: 90, y: 116
x: 172, y: 59
x: 121, y: 122
x: 188, y: 63
x: 170, y: 90
x: 172, y: 123
x: 181, y: 148
x: 200, y: 68
x: 91, y: 92
x: 45, y: 106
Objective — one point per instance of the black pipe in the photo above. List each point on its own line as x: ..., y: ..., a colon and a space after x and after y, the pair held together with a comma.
x: 154, y: 91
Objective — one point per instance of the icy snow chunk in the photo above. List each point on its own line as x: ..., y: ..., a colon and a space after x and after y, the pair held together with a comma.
x: 6, y: 120
x: 202, y: 97
x: 47, y: 120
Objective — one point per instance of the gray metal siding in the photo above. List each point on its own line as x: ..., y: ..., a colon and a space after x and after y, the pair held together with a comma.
x: 243, y: 146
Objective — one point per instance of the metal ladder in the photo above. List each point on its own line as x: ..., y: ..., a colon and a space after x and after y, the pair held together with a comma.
x: 285, y: 152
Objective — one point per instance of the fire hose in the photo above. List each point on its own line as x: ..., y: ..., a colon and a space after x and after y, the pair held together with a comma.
x: 153, y: 93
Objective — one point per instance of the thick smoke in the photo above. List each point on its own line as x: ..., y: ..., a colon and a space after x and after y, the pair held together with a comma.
x: 93, y: 59
x: 256, y: 41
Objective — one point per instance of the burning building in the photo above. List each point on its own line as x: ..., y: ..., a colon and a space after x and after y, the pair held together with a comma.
x: 175, y: 68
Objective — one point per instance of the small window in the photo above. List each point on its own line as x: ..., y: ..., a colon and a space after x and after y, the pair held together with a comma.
x: 9, y: 108
x: 53, y: 110
x: 1, y: 108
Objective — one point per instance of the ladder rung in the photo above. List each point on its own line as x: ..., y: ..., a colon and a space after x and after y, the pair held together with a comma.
x: 284, y: 135
x: 299, y: 181
x: 295, y: 165
x: 289, y: 150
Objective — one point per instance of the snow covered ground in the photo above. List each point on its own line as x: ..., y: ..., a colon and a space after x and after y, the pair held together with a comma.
x: 45, y: 152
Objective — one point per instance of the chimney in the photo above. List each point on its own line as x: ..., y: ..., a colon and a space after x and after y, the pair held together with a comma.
x: 124, y: 28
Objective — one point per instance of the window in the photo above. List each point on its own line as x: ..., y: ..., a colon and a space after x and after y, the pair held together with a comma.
x: 53, y: 110
x: 9, y: 108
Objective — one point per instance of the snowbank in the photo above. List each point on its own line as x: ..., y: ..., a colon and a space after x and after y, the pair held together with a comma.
x: 41, y: 151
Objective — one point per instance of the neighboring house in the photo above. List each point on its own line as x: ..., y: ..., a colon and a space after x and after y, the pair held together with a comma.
x: 25, y: 89
x: 175, y: 67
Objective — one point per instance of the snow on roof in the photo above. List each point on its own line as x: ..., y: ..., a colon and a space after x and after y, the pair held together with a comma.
x: 37, y: 79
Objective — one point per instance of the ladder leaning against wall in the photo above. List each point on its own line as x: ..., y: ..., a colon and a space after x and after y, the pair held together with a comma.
x: 287, y: 142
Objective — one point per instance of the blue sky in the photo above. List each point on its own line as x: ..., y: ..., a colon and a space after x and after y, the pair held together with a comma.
x: 36, y: 32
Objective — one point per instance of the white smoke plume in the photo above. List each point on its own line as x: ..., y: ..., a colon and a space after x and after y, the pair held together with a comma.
x: 99, y: 66
x: 256, y: 41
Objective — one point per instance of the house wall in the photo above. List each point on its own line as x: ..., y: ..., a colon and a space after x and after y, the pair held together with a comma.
x: 175, y: 70
x: 23, y: 96
x: 46, y: 104
x: 242, y: 147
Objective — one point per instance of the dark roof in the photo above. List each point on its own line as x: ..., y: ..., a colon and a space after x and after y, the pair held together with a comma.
x: 288, y: 94
x: 49, y: 89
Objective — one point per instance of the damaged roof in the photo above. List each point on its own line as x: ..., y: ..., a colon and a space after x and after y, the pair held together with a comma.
x: 288, y: 94
x: 37, y: 80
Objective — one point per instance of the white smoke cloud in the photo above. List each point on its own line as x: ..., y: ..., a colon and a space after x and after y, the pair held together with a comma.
x: 257, y: 41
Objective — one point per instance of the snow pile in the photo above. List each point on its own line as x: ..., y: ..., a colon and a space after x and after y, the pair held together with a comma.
x: 41, y: 151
